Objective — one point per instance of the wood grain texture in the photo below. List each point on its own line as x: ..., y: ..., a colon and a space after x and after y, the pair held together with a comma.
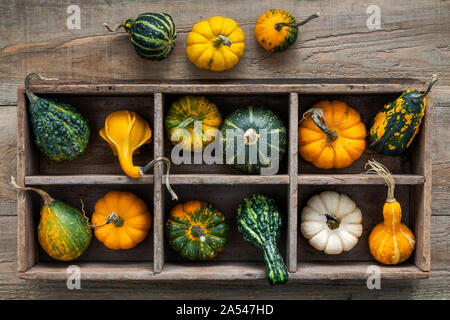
x: 340, y: 45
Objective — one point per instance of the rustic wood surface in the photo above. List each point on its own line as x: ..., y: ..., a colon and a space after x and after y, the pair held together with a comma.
x: 338, y: 44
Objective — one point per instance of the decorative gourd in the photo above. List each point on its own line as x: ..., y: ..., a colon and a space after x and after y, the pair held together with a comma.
x: 60, y: 132
x: 215, y: 44
x: 121, y: 220
x: 63, y: 231
x: 390, y: 242
x: 184, y: 113
x: 331, y: 222
x: 276, y: 30
x: 254, y: 131
x: 126, y: 131
x: 396, y: 125
x: 259, y: 222
x: 152, y: 34
x: 197, y: 230
x: 331, y: 135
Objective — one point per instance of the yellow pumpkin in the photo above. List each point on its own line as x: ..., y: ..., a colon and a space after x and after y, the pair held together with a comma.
x: 276, y: 30
x: 215, y: 44
x: 126, y: 131
x: 331, y: 135
x: 390, y: 242
x: 121, y: 220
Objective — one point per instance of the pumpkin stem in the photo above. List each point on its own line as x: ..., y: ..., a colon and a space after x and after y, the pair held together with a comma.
x: 113, y: 29
x: 31, y: 96
x: 251, y: 137
x: 113, y: 218
x: 44, y: 195
x: 280, y: 25
x: 221, y: 41
x: 332, y: 221
x: 316, y: 114
x: 198, y: 232
x: 430, y: 85
x: 143, y: 170
x: 376, y: 167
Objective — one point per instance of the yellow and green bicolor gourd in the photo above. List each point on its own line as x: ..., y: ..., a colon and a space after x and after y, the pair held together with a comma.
x: 152, y: 34
x: 396, y: 125
x: 63, y: 231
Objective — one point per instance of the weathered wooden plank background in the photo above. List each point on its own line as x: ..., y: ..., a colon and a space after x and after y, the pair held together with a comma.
x: 413, y: 42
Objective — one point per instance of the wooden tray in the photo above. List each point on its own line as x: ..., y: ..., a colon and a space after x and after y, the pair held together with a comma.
x: 97, y: 171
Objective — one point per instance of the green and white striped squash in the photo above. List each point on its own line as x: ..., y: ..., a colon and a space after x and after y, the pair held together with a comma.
x: 152, y: 34
x: 259, y: 222
x: 248, y: 126
x: 60, y: 132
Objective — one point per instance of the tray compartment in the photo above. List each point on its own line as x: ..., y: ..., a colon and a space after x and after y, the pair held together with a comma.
x: 278, y: 103
x: 367, y: 105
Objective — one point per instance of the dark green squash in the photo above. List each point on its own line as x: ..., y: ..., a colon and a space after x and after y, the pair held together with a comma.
x: 63, y: 231
x: 259, y: 222
x: 152, y: 34
x: 396, y: 125
x: 60, y: 132
x: 242, y: 130
x: 197, y: 230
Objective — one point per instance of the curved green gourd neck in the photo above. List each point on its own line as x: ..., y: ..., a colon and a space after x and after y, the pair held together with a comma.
x: 143, y: 170
x: 417, y: 96
x: 127, y: 24
x: 31, y: 96
x: 280, y: 25
x: 276, y: 271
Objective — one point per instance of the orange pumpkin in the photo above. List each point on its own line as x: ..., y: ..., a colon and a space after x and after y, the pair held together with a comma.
x: 331, y: 135
x: 390, y: 242
x: 121, y: 220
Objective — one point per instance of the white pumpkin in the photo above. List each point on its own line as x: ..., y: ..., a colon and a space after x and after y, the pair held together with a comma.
x: 331, y: 222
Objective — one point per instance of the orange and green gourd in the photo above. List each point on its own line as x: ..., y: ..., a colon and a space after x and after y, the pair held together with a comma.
x: 189, y: 121
x: 396, y: 125
x: 390, y: 242
x: 277, y: 30
x: 121, y: 220
x: 63, y: 231
x: 331, y: 135
x: 197, y: 230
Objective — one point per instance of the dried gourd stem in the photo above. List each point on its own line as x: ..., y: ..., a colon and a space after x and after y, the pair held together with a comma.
x: 31, y: 96
x: 279, y: 25
x: 112, y: 218
x: 114, y: 29
x: 381, y: 170
x: 143, y: 170
x: 317, y: 114
x: 434, y: 79
x: 44, y: 195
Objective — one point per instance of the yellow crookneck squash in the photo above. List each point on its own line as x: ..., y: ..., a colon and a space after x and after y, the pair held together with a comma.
x: 390, y: 242
x: 276, y: 30
x: 215, y: 44
x: 331, y: 135
x: 126, y: 131
x: 182, y: 116
x: 121, y: 220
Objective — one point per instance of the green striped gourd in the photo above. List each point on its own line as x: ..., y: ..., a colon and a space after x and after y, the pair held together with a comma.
x: 244, y: 128
x: 60, y: 132
x: 396, y: 125
x: 259, y: 222
x: 152, y: 34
